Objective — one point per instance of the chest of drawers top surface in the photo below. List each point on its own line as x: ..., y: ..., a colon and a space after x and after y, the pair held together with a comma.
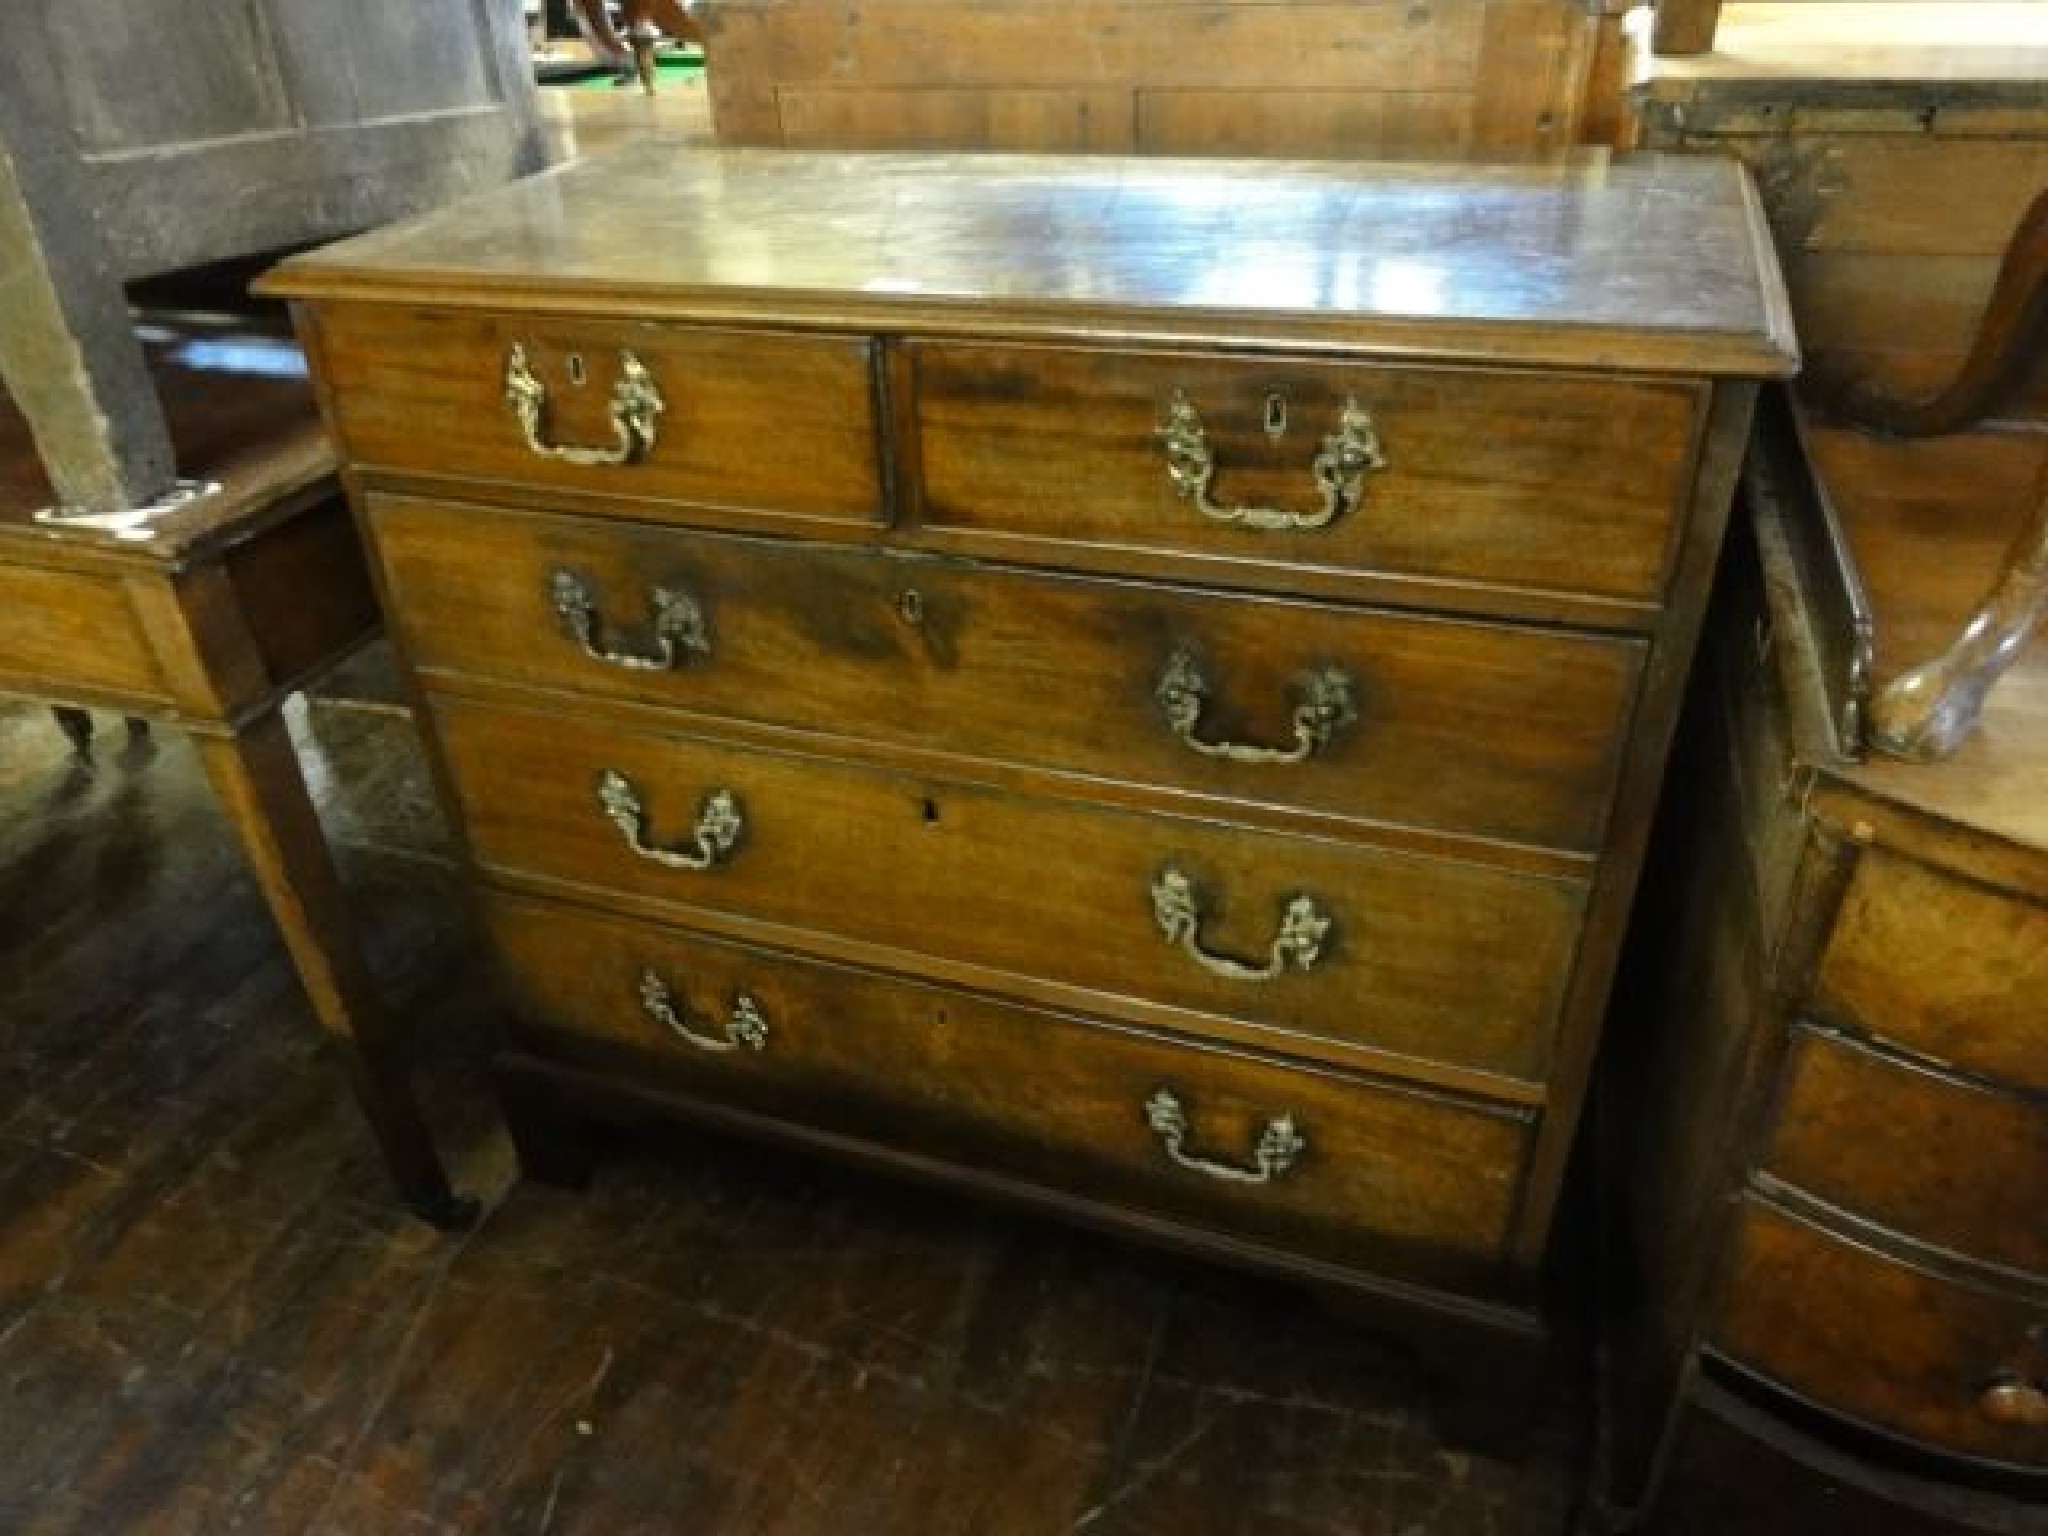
x: 1641, y: 264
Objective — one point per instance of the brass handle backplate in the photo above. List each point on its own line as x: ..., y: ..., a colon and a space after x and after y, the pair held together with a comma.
x: 1339, y: 468
x: 1298, y: 943
x: 1278, y: 1148
x: 744, y: 1025
x: 636, y: 410
x: 1323, y: 707
x: 677, y: 626
x: 717, y: 833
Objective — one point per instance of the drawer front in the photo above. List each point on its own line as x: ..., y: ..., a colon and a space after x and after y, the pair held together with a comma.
x: 1317, y: 1162
x: 1954, y: 971
x: 1944, y: 1161
x: 1516, y: 481
x: 1469, y: 728
x: 64, y: 631
x: 1449, y: 962
x: 757, y: 422
x: 1886, y: 1343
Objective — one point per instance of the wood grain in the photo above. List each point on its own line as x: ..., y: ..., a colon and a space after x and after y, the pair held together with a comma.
x: 1650, y: 264
x: 1445, y: 962
x: 1038, y: 670
x: 1416, y: 1186
x: 1895, y: 1346
x: 1948, y: 968
x: 1945, y: 1161
x: 1513, y: 481
x: 775, y: 425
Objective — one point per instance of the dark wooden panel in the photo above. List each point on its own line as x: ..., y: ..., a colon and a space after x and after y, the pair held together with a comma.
x: 1405, y: 1183
x: 1453, y: 963
x: 304, y: 590
x: 1514, y: 481
x: 1878, y: 1340
x: 772, y: 423
x: 1942, y: 1160
x: 1039, y: 670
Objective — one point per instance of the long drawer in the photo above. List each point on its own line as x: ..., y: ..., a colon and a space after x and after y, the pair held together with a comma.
x: 1945, y: 1161
x: 1474, y: 728
x: 661, y: 418
x: 1948, y: 968
x: 1955, y: 1366
x: 1413, y: 1184
x: 1507, y: 480
x: 1294, y: 937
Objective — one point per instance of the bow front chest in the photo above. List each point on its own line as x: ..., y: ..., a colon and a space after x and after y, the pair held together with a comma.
x: 1137, y: 686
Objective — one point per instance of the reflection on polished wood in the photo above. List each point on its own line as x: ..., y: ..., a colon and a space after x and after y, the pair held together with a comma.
x: 1648, y: 263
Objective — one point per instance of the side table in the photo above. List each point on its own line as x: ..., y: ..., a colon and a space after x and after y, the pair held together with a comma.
x: 208, y: 618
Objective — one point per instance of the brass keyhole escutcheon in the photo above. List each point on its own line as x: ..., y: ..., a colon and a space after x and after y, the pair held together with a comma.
x: 1276, y: 416
x: 910, y: 605
x: 577, y: 373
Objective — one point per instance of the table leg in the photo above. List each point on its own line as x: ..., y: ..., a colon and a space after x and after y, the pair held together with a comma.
x: 256, y: 774
x: 76, y: 725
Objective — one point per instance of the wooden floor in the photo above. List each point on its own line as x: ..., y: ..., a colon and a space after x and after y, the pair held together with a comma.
x: 213, y: 1316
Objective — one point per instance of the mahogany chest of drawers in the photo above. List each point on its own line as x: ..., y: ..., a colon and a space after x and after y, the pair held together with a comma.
x: 1136, y: 686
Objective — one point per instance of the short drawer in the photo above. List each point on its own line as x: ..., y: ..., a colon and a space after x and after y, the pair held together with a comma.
x: 1316, y: 1162
x: 1941, y: 1160
x: 1946, y: 968
x: 1289, y: 937
x: 1471, y: 728
x: 671, y: 418
x: 1956, y: 1367
x: 64, y: 631
x: 1514, y: 481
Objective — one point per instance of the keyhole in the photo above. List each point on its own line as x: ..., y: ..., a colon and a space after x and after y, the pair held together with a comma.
x: 1276, y: 416
x: 929, y: 809
x: 575, y: 367
x: 910, y: 604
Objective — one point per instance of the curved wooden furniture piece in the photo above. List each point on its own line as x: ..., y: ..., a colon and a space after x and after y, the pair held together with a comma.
x: 1924, y: 714
x: 2007, y: 344
x: 1825, y: 1103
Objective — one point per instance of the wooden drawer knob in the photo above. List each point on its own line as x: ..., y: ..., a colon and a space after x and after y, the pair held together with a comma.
x: 2015, y: 1402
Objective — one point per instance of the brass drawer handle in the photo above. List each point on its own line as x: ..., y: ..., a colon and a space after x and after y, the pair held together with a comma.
x: 1279, y: 1146
x: 717, y: 833
x: 636, y: 403
x: 1298, y: 943
x: 744, y: 1026
x: 1340, y: 466
x: 678, y: 625
x: 1324, y: 707
x: 2014, y: 1401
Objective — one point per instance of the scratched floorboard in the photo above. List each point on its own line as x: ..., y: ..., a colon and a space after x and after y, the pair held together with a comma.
x: 213, y: 1318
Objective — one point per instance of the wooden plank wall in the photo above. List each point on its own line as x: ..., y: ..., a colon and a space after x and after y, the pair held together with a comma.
x: 1300, y: 77
x: 1891, y: 216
